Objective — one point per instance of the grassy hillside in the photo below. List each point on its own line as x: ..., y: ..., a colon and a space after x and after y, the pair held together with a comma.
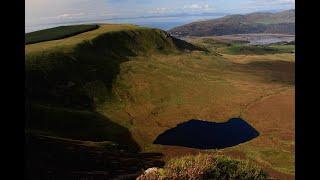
x: 282, y: 22
x: 70, y: 85
x: 76, y: 124
x: 156, y: 93
x: 128, y: 84
x: 69, y: 43
x: 57, y: 33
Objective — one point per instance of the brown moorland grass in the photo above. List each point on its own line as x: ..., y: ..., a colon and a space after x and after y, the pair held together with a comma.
x: 163, y: 91
x: 244, y: 59
x: 273, y: 117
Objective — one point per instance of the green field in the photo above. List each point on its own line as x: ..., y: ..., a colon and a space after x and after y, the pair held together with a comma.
x: 239, y: 47
x: 128, y: 84
x: 57, y: 33
x: 258, y: 49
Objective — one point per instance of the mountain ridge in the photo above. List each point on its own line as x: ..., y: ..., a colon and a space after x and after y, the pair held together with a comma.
x: 72, y: 82
x: 258, y: 22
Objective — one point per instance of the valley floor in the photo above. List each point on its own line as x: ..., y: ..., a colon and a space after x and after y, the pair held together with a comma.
x: 156, y: 93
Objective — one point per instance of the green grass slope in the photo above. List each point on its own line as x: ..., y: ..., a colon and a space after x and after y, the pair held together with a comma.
x: 57, y: 33
x: 64, y: 88
x: 259, y: 49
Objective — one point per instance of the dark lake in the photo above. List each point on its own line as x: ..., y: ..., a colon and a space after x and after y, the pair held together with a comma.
x: 208, y: 135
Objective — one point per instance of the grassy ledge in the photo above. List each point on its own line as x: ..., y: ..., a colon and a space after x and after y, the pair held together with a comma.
x: 57, y: 33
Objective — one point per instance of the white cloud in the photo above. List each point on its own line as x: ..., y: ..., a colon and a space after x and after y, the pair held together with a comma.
x: 160, y: 10
x: 72, y: 15
x: 196, y: 6
x: 185, y: 8
x: 50, y: 9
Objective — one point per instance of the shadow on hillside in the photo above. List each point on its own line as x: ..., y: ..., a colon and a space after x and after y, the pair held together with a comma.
x: 64, y: 143
x: 48, y: 158
x: 77, y: 124
x: 208, y: 135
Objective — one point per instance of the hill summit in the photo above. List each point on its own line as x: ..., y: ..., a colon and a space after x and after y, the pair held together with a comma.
x: 66, y: 79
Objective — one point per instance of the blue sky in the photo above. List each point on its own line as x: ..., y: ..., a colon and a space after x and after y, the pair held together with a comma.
x: 38, y: 11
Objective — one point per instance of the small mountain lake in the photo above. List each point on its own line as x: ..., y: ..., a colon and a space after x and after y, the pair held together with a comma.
x: 208, y: 135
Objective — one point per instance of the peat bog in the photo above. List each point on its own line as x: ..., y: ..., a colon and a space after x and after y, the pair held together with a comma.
x: 208, y: 135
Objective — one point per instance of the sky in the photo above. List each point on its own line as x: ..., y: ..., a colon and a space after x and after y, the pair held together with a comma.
x: 43, y: 11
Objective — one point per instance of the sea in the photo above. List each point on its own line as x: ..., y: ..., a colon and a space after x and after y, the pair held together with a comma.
x: 164, y: 23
